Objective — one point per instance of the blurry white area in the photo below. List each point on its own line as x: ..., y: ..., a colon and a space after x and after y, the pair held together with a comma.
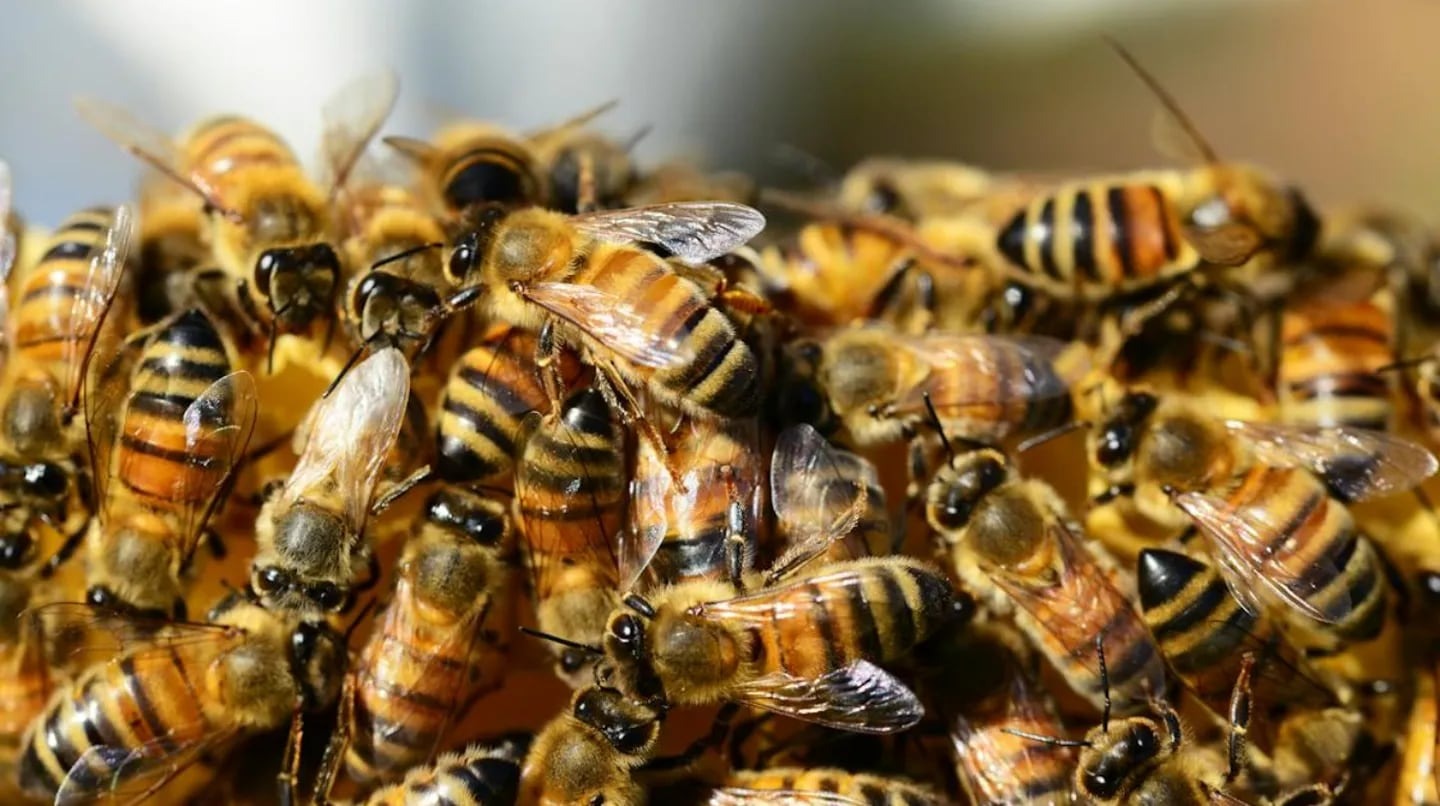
x: 1338, y: 95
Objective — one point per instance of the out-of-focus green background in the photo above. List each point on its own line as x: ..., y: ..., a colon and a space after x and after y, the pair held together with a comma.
x: 1340, y: 95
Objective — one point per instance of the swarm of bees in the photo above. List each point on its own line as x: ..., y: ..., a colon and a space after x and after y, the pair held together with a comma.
x: 305, y: 479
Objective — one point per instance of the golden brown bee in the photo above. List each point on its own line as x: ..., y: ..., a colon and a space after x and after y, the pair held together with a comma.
x: 570, y: 507
x: 482, y: 774
x: 804, y: 647
x: 1101, y: 238
x: 311, y: 550
x: 470, y: 165
x: 627, y: 312
x: 168, y: 422
x: 799, y: 786
x: 589, y: 753
x: 483, y: 406
x: 441, y: 641
x: 913, y: 189
x: 157, y: 701
x: 62, y: 302
x: 984, y: 388
x: 268, y: 223
x: 1009, y: 537
x: 583, y: 169
x: 1330, y: 355
x: 1271, y: 501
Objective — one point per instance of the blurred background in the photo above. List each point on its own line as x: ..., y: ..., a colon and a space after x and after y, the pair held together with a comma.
x: 1339, y: 96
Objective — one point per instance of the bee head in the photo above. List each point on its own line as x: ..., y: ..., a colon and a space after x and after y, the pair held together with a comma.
x: 959, y: 487
x: 1116, y: 439
x: 281, y: 588
x: 384, y: 303
x: 631, y: 727
x: 799, y: 398
x: 1117, y: 759
x: 627, y: 665
x: 469, y: 250
x: 299, y: 282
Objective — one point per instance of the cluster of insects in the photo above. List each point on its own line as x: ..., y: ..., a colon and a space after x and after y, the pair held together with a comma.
x: 939, y: 486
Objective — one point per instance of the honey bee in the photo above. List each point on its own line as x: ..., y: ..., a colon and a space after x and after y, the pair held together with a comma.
x: 158, y: 701
x: 1101, y: 238
x: 64, y: 299
x: 470, y: 165
x: 268, y: 223
x: 984, y: 388
x: 482, y: 409
x: 1009, y: 537
x: 912, y: 189
x: 798, y: 786
x: 481, y: 774
x: 1330, y: 361
x: 804, y: 647
x: 1271, y: 501
x: 311, y: 550
x: 439, y: 644
x: 589, y: 753
x: 583, y: 169
x: 821, y: 492
x: 694, y: 507
x: 623, y: 308
x: 570, y: 506
x: 168, y: 422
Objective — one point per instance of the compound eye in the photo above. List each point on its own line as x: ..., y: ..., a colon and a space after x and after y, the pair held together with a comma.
x: 626, y: 629
x: 327, y: 595
x: 630, y: 740
x: 323, y: 256
x: 271, y: 580
x: 462, y: 258
x: 45, y: 479
x: 485, y: 529
x: 269, y: 262
x: 954, y: 510
x: 1115, y: 444
x: 15, y: 550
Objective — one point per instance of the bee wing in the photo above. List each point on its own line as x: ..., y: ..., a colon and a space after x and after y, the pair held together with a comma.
x: 1298, y: 685
x: 1022, y: 368
x: 740, y: 796
x: 351, y: 119
x: 860, y: 697
x: 106, y: 385
x: 1356, y: 463
x: 218, y: 425
x: 351, y: 432
x: 695, y: 232
x: 116, y: 774
x: 1239, y: 539
x: 149, y: 145
x: 613, y: 322
x: 820, y: 492
x: 92, y: 301
x: 1229, y: 244
x: 80, y: 634
x: 653, y: 493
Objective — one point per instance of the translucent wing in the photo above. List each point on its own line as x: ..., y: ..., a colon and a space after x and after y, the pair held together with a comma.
x: 218, y: 425
x: 106, y: 385
x: 350, y: 434
x: 149, y: 145
x: 8, y: 245
x: 740, y: 796
x: 860, y: 697
x: 991, y: 371
x: 116, y: 774
x: 1241, y: 539
x: 695, y: 232
x: 583, y: 119
x: 79, y: 634
x: 91, y: 302
x: 351, y: 119
x: 654, y: 491
x: 820, y: 492
x: 1356, y: 463
x: 614, y: 323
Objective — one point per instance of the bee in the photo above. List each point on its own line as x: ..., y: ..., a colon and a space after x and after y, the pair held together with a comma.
x: 157, y: 701
x: 623, y: 308
x: 821, y: 492
x: 1010, y: 537
x: 912, y: 189
x: 268, y: 223
x: 800, y: 786
x: 1102, y: 238
x: 481, y: 774
x: 569, y: 506
x: 482, y: 408
x: 311, y: 550
x: 985, y: 388
x: 590, y: 753
x: 439, y: 644
x: 583, y: 170
x: 1271, y: 501
x: 804, y: 647
x: 63, y: 301
x: 1330, y: 361
x: 470, y: 165
x: 166, y: 428
x: 29, y: 676
x: 694, y: 507
x: 171, y: 247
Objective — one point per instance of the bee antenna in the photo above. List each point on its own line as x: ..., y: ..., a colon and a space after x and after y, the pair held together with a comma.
x: 1406, y: 363
x: 1054, y: 433
x: 638, y: 603
x: 634, y: 139
x: 1166, y: 99
x: 1055, y: 741
x: 359, y: 617
x: 1104, y: 680
x: 566, y: 642
x: 349, y: 365
x: 939, y: 426
x: 405, y: 253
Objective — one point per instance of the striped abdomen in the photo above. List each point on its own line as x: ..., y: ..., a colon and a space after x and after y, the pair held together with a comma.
x: 223, y: 148
x: 998, y: 767
x: 154, y: 458
x: 490, y: 390
x: 1329, y: 356
x: 388, y: 220
x: 838, y: 274
x: 874, y: 790
x: 1097, y: 239
x: 1319, y: 553
x: 45, y: 325
x: 144, y: 700
x: 720, y: 376
x: 980, y: 395
x: 25, y: 687
x: 475, y: 776
x: 487, y: 170
x: 874, y: 609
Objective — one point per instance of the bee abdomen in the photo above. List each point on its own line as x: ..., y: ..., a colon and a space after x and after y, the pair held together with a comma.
x: 1329, y: 365
x: 489, y: 391
x: 47, y: 294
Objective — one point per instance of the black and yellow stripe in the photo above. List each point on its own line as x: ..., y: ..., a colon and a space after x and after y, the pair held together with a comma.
x: 228, y: 144
x: 980, y: 393
x: 482, y: 408
x: 1330, y: 354
x: 873, y: 790
x: 475, y: 776
x: 46, y: 330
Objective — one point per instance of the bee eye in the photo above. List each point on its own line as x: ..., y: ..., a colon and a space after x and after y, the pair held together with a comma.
x: 626, y: 629
x: 572, y: 661
x: 630, y: 740
x: 463, y: 257
x: 1115, y: 444
x: 323, y: 256
x: 1100, y: 783
x: 15, y: 550
x: 598, y: 800
x: 327, y: 595
x: 45, y: 479
x: 1430, y: 588
x: 101, y: 597
x: 271, y: 579
x: 485, y: 528
x: 266, y: 266
x: 954, y: 510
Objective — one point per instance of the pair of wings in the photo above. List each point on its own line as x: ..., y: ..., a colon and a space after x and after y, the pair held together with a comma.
x: 1355, y: 464
x: 119, y: 774
x: 694, y: 232
x: 349, y: 434
x: 990, y: 758
x: 993, y: 358
x: 351, y: 118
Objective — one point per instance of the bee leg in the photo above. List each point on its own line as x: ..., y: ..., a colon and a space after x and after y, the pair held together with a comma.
x: 547, y: 365
x: 405, y: 485
x: 334, y: 758
x: 735, y: 544
x: 290, y: 762
x: 669, y: 767
x: 1240, y: 705
x: 67, y: 548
